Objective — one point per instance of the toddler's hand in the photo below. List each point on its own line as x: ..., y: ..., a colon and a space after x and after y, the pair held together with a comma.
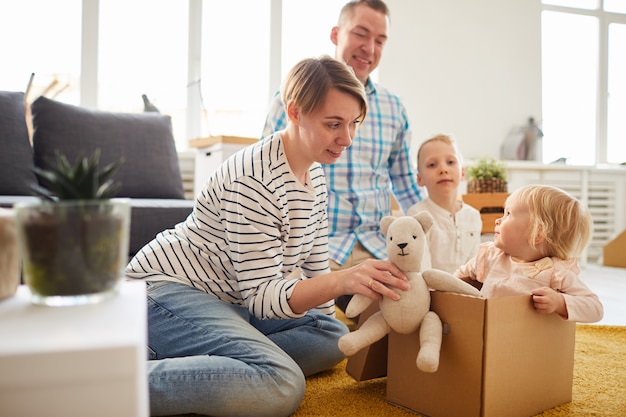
x: 548, y: 301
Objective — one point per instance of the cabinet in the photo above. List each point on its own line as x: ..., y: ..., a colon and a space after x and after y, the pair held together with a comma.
x: 211, y: 151
x: 490, y: 206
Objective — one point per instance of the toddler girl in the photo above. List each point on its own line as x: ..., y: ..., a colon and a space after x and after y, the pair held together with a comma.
x: 535, y: 249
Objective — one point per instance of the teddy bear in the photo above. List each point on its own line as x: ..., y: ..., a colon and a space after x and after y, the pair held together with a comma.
x: 407, y: 248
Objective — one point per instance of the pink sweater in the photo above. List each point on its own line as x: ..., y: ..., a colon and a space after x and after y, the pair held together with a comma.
x: 502, y: 276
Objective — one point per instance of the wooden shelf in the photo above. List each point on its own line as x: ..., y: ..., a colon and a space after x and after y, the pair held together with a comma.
x: 212, y: 140
x: 482, y: 201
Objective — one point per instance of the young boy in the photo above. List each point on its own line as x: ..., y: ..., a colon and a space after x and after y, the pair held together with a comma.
x: 455, y: 235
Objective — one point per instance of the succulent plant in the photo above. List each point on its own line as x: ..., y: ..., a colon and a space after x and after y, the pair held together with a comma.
x: 81, y: 181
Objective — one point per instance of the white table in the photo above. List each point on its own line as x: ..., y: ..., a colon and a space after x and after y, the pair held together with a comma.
x: 85, y: 360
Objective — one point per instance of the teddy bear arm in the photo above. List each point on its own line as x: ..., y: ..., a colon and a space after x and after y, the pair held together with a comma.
x: 358, y: 304
x: 444, y: 281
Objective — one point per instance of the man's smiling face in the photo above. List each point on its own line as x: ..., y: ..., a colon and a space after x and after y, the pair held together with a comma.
x: 359, y: 39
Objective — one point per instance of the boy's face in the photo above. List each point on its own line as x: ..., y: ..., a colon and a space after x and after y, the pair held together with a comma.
x: 439, y: 169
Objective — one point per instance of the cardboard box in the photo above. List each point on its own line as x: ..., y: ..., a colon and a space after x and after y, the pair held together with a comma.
x: 499, y: 357
x: 614, y: 252
x: 371, y: 361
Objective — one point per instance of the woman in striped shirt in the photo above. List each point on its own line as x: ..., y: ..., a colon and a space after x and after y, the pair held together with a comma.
x: 231, y: 329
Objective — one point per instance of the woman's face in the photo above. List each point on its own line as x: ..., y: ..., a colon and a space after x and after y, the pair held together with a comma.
x: 325, y: 133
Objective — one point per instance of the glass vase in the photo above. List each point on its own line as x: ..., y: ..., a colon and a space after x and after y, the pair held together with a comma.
x: 74, y: 251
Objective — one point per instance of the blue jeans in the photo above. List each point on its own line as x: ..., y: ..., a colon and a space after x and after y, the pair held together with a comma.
x: 211, y: 357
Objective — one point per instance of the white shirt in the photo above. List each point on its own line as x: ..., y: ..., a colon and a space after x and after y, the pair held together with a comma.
x: 454, y: 238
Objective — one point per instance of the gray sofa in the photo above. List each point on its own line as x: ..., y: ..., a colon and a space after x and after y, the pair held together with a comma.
x: 150, y: 175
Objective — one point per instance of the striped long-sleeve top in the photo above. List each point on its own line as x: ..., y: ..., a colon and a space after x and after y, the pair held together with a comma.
x: 252, y: 224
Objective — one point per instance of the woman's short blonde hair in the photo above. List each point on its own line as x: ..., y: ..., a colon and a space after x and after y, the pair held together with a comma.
x: 310, y: 80
x: 563, y: 221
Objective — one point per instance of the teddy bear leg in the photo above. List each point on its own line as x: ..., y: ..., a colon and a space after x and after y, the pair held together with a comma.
x: 431, y: 331
x: 372, y: 330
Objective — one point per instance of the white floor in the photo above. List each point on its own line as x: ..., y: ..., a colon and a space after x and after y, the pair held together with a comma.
x: 610, y: 285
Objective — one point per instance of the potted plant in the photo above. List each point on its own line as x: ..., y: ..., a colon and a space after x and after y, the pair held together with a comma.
x: 74, y: 241
x: 487, y: 190
x: 487, y: 175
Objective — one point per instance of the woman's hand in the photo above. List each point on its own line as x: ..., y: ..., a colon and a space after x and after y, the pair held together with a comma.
x: 373, y: 278
x: 548, y: 301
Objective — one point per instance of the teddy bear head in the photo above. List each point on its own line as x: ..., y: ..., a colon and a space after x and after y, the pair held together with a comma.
x: 407, y: 245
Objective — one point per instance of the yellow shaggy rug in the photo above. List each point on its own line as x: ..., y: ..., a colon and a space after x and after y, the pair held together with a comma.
x: 599, y: 383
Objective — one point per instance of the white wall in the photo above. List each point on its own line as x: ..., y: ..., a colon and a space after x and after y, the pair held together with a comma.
x: 471, y: 69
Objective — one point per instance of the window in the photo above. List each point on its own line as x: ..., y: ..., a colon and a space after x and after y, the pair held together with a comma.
x: 147, y: 47
x: 584, y: 88
x: 616, y: 114
x: 143, y: 50
x: 235, y: 67
x: 303, y: 38
x: 236, y: 91
x: 569, y: 88
x: 615, y: 6
x: 41, y: 37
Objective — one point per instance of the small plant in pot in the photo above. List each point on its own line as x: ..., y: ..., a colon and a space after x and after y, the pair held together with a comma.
x: 487, y: 175
x: 74, y: 241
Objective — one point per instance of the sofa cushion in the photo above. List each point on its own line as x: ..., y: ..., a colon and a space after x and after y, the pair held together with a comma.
x: 16, y: 154
x: 145, y: 141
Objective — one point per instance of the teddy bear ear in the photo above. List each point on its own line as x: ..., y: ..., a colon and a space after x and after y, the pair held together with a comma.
x: 425, y: 219
x: 385, y: 222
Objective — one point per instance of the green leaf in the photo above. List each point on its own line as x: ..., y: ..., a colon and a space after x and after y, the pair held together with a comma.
x: 81, y: 181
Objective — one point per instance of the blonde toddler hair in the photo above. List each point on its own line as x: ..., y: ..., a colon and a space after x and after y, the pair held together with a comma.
x: 563, y: 221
